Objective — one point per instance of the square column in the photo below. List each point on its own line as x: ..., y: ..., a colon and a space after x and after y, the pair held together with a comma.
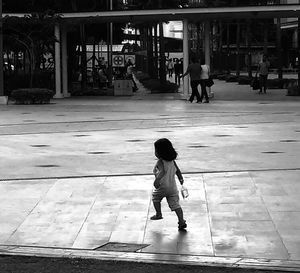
x: 207, y: 42
x: 64, y: 60
x: 3, y: 99
x: 185, y: 55
x: 58, y: 94
x: 207, y: 51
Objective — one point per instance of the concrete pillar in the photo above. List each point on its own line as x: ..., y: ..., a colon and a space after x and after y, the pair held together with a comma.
x: 298, y: 48
x: 110, y: 47
x: 279, y: 48
x: 295, y: 38
x: 185, y: 56
x: 58, y: 94
x: 3, y: 99
x: 207, y: 52
x: 64, y: 55
x: 207, y: 42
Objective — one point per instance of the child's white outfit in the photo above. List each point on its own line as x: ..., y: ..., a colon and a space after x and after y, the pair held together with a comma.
x: 167, y: 187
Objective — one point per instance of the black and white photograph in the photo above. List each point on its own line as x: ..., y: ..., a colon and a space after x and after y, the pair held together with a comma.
x: 141, y: 136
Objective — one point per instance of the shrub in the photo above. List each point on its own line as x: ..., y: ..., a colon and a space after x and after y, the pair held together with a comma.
x: 277, y: 83
x: 142, y: 76
x: 290, y: 83
x: 216, y: 75
x: 244, y: 80
x: 231, y: 78
x: 293, y: 91
x: 32, y: 95
x: 43, y: 79
x: 154, y: 85
x: 222, y: 77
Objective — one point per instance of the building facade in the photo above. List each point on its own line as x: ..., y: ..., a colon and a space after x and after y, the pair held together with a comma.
x: 212, y: 29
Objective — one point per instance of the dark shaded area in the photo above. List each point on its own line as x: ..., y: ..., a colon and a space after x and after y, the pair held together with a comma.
x: 272, y: 152
x: 97, y: 153
x: 18, y: 264
x: 40, y: 145
x: 103, y: 5
x: 47, y: 166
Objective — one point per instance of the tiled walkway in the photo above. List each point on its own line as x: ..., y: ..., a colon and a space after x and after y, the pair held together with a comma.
x: 229, y: 214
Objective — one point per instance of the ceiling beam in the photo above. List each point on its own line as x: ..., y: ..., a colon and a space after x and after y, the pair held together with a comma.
x: 193, y: 14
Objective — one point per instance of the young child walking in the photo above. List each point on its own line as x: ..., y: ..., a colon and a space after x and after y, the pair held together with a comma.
x: 164, y: 183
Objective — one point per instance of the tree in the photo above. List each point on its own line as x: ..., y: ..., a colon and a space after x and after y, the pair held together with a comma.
x: 32, y: 34
x: 56, y: 6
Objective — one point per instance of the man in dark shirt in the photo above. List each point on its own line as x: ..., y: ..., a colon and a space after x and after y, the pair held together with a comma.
x: 263, y: 71
x: 194, y: 69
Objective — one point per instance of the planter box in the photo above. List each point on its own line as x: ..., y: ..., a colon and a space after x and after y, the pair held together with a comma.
x: 293, y: 91
x: 123, y: 88
x: 32, y: 96
x: 3, y: 99
x: 222, y: 77
x: 231, y: 78
x: 276, y: 83
x: 244, y: 80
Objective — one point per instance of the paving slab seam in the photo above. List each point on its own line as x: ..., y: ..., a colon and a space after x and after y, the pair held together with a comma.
x: 66, y: 132
x: 268, y: 212
x: 90, y: 121
x: 87, y: 215
x: 152, y: 119
x: 208, y: 214
x: 161, y: 258
x: 135, y: 128
x: 32, y: 209
x: 144, y: 174
x: 131, y: 119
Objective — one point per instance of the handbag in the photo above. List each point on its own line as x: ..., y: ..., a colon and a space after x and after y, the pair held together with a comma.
x: 209, y: 82
x: 255, y: 83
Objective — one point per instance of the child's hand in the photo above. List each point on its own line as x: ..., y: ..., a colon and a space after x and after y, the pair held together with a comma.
x: 156, y: 184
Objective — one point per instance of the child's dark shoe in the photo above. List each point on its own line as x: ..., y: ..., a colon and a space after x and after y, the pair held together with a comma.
x: 182, y: 226
x: 156, y: 217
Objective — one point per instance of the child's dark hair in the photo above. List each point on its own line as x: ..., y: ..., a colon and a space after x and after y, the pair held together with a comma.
x: 164, y: 149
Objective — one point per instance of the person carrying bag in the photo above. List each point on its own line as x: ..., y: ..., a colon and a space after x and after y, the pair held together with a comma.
x: 204, y: 81
x: 255, y: 83
x: 210, y: 82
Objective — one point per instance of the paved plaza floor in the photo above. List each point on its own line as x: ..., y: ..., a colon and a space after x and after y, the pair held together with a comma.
x: 76, y: 178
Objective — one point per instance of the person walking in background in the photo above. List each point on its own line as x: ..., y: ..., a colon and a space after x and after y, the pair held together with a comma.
x: 170, y: 67
x: 164, y: 183
x: 194, y: 69
x: 129, y: 74
x: 177, y: 71
x: 204, y: 77
x: 263, y: 71
x: 102, y: 79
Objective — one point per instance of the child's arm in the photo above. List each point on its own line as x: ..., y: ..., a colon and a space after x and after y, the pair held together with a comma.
x: 179, y: 174
x: 155, y: 169
x: 160, y: 174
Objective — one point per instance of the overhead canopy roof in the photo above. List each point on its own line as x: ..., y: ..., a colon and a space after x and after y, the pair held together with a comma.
x: 198, y: 14
x: 193, y: 14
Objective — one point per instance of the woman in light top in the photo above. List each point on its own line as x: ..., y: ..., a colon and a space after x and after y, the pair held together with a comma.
x: 204, y: 77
